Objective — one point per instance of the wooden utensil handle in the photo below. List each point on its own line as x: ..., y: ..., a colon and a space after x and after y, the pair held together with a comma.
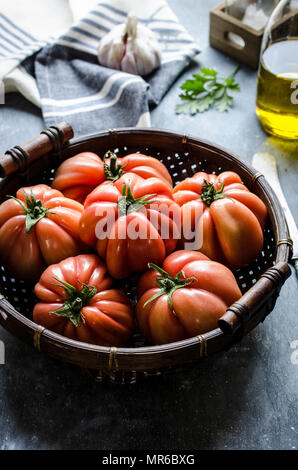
x: 19, y: 158
x: 268, y: 286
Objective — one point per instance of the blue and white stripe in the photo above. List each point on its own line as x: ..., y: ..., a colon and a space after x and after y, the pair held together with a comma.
x: 15, y: 43
x: 107, y: 96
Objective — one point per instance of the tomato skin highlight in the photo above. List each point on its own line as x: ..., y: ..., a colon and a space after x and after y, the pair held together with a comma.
x: 163, y: 325
x: 229, y: 228
x: 20, y: 252
x: 52, y: 238
x: 107, y: 319
x: 210, y: 288
x: 78, y: 176
x: 131, y: 239
x: 238, y: 230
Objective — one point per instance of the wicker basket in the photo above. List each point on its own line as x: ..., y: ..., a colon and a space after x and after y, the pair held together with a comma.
x: 36, y: 161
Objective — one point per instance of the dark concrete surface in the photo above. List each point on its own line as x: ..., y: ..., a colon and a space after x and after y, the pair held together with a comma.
x: 245, y: 398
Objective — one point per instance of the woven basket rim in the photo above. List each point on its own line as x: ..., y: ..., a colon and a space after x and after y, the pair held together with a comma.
x: 184, y: 344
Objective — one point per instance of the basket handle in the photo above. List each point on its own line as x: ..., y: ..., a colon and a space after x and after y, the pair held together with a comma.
x: 267, y: 287
x: 19, y: 158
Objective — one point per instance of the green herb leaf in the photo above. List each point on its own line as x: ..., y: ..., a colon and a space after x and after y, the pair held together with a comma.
x: 209, y: 72
x: 194, y: 86
x: 198, y: 105
x: 222, y: 104
x: 206, y: 89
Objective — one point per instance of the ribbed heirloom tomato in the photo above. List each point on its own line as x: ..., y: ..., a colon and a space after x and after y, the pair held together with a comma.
x: 37, y: 228
x: 131, y: 222
x: 184, y: 298
x: 77, y: 301
x: 224, y: 215
x: 79, y: 175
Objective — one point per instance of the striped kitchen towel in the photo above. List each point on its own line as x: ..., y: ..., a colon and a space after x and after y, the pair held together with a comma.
x: 74, y: 87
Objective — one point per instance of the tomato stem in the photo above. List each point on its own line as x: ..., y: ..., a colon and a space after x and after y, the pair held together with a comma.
x: 34, y: 210
x: 209, y: 193
x: 127, y: 202
x: 168, y: 284
x: 76, y: 300
x: 114, y: 170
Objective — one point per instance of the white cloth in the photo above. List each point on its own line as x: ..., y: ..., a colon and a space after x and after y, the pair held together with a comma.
x: 42, y: 19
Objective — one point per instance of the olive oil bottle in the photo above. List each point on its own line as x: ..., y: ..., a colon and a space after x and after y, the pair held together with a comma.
x: 277, y: 95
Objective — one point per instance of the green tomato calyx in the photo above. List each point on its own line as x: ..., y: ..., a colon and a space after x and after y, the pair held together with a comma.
x: 76, y: 300
x: 127, y: 202
x: 33, y: 209
x: 114, y: 170
x: 210, y: 193
x: 168, y: 284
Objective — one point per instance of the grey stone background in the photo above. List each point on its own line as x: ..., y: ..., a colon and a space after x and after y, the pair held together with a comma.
x: 245, y: 398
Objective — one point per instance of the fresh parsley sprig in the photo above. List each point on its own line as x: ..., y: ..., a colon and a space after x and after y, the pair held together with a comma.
x: 206, y: 89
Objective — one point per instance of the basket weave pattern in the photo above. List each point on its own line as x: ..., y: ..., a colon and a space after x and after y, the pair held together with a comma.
x: 260, y: 282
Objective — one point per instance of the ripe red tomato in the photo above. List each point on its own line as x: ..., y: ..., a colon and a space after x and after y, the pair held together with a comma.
x: 131, y: 222
x: 77, y: 301
x: 228, y: 217
x: 185, y: 298
x: 37, y: 228
x: 79, y: 175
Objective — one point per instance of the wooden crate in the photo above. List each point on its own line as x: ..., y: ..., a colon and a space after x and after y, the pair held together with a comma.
x: 221, y: 24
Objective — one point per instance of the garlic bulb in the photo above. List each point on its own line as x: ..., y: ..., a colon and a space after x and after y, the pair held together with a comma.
x: 130, y: 47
